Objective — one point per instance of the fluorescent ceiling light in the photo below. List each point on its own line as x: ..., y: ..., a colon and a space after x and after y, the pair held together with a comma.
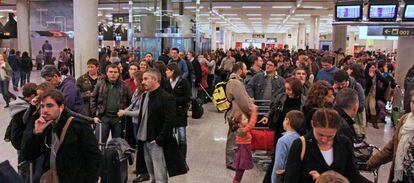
x: 230, y: 15
x: 277, y: 15
x: 204, y: 14
x: 222, y: 7
x: 100, y: 14
x: 281, y: 7
x: 251, y: 7
x: 192, y: 7
x: 254, y: 18
x: 215, y: 18
x: 313, y: 7
x: 139, y: 15
x: 108, y: 15
x: 276, y: 18
x: 303, y: 15
x: 253, y: 15
x: 105, y: 8
x: 293, y: 18
x: 234, y: 18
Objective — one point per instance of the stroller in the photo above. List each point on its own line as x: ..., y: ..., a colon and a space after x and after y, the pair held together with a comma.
x: 363, y: 151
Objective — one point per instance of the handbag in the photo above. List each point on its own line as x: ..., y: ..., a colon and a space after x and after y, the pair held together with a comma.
x: 51, y: 176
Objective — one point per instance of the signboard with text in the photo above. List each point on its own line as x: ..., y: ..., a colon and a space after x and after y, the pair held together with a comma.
x: 398, y: 31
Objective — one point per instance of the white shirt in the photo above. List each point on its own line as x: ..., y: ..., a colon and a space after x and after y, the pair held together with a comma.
x: 328, y: 156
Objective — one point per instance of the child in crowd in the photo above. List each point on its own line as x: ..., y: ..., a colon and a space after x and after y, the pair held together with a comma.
x: 293, y: 122
x: 330, y: 177
x: 243, y: 157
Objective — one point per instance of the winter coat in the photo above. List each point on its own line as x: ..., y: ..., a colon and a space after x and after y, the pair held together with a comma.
x: 161, y: 120
x: 327, y: 75
x: 381, y: 86
x: 347, y: 125
x: 204, y: 75
x: 389, y: 151
x: 78, y: 158
x: 353, y: 84
x: 408, y: 87
x: 85, y: 87
x: 99, y: 96
x: 182, y: 94
x: 256, y: 86
x: 236, y: 94
x: 72, y: 94
x: 26, y: 64
x: 14, y: 62
x: 297, y: 170
x: 5, y: 72
x: 197, y: 73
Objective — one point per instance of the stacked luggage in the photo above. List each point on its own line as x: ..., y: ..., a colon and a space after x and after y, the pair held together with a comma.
x: 262, y: 138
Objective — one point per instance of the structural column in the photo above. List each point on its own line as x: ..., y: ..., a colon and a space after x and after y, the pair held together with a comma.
x: 213, y: 37
x: 339, y: 36
x: 405, y: 58
x: 85, y: 15
x: 301, y: 36
x: 185, y: 24
x: 148, y: 25
x: 351, y: 43
x: 314, y: 32
x: 23, y: 39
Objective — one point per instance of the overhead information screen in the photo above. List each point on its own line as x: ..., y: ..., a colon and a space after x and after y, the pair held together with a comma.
x: 383, y: 12
x: 348, y: 12
x: 409, y: 12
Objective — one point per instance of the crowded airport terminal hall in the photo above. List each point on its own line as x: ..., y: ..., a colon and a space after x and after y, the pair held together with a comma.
x: 207, y: 91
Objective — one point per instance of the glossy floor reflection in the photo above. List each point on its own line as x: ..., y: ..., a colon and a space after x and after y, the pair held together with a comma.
x: 206, y: 144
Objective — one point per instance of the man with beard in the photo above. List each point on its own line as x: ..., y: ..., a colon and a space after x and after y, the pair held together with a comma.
x: 236, y: 94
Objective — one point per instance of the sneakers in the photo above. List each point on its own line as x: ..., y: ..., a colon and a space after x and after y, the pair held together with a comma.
x: 141, y: 178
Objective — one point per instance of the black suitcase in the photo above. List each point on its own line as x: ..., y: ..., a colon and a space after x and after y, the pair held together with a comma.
x: 197, y: 110
x: 113, y: 169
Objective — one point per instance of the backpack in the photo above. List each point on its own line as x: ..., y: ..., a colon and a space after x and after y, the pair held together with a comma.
x: 197, y: 110
x: 220, y: 100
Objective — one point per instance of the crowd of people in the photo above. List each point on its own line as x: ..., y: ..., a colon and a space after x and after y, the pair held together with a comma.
x: 319, y: 101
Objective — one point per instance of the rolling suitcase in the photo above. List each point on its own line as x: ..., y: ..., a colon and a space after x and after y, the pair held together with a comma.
x: 113, y: 169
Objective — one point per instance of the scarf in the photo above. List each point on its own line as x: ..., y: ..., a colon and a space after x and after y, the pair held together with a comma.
x: 406, y: 134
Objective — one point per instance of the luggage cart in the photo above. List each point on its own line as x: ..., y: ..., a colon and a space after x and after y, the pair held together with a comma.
x: 262, y: 137
x: 363, y: 151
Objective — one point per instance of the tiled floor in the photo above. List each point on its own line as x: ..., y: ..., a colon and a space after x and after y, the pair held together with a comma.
x: 206, y: 144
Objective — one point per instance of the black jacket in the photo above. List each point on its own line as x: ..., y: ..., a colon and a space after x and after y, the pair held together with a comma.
x: 26, y: 64
x: 197, y: 72
x: 381, y: 86
x: 161, y: 120
x: 297, y: 170
x: 78, y: 158
x: 347, y: 128
x: 182, y: 94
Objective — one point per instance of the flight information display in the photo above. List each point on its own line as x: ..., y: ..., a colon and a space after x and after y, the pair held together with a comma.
x: 383, y: 11
x: 348, y: 12
x: 409, y: 11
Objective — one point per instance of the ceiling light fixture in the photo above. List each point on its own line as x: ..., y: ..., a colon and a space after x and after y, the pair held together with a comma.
x: 303, y: 15
x: 313, y: 7
x: 251, y: 7
x: 281, y: 7
x: 253, y: 15
x: 222, y: 7
x: 230, y: 15
x: 254, y: 18
x: 277, y: 15
x: 105, y: 8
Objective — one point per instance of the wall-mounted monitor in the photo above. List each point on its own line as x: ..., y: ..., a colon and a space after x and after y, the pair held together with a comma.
x: 348, y: 11
x: 386, y: 11
x: 408, y: 14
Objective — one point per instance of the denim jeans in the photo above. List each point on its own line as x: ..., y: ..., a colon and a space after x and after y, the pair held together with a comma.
x: 15, y: 78
x: 182, y: 135
x: 4, y: 89
x: 109, y: 124
x: 155, y: 162
x: 23, y: 78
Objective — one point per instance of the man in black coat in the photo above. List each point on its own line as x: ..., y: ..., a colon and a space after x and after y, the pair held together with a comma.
x: 195, y: 82
x: 346, y: 104
x: 157, y: 148
x: 77, y: 158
